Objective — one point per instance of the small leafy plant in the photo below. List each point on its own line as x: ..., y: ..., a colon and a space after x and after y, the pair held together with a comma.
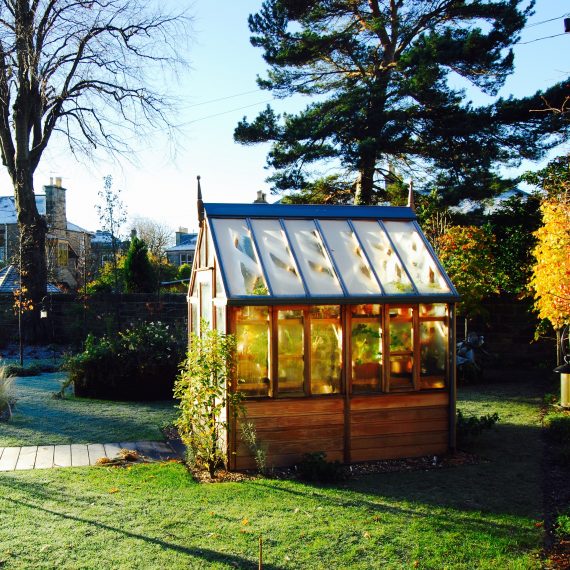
x: 469, y: 427
x: 315, y: 468
x: 563, y: 525
x: 259, y: 451
x: 558, y: 426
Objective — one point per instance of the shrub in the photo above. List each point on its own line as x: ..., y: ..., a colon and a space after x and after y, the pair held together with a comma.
x: 202, y: 388
x: 33, y: 369
x: 6, y: 396
x: 315, y: 468
x: 558, y: 426
x: 563, y: 525
x: 469, y: 427
x: 139, y: 363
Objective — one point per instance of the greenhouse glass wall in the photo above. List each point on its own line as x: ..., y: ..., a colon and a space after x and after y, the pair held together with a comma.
x: 345, y: 328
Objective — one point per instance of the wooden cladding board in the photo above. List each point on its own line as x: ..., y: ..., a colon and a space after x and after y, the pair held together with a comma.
x: 290, y: 428
x: 382, y: 426
x: 399, y: 425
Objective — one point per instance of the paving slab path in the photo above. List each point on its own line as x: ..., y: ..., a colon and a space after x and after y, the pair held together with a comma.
x: 78, y: 455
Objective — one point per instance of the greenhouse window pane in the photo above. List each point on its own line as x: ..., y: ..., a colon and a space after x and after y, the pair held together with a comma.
x: 252, y: 338
x: 278, y: 261
x: 433, y: 310
x: 383, y: 257
x: 238, y: 258
x: 326, y: 350
x: 315, y: 264
x: 290, y: 352
x: 433, y: 354
x: 366, y: 349
x: 401, y: 372
x: 416, y: 257
x: 349, y: 258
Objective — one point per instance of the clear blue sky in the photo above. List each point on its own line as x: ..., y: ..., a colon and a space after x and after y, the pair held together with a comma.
x: 224, y: 66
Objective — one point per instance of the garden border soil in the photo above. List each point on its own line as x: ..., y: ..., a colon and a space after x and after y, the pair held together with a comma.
x: 556, y: 499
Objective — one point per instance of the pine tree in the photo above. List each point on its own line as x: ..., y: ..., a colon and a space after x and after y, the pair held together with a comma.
x: 139, y: 276
x: 379, y: 72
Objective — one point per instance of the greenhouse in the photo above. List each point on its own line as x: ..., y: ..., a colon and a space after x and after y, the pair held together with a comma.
x: 345, y: 328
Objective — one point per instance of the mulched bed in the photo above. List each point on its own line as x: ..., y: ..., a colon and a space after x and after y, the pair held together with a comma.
x: 349, y: 472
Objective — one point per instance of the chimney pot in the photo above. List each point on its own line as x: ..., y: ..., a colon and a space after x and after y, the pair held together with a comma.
x: 58, y: 181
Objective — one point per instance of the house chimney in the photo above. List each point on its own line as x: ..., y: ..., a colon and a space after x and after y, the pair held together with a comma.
x: 181, y: 232
x: 260, y: 198
x: 55, y: 205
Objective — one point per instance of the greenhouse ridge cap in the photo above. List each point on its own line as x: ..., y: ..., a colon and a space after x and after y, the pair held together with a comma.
x: 226, y: 210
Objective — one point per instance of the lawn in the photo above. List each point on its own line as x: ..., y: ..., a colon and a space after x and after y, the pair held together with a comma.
x: 155, y: 516
x: 40, y: 419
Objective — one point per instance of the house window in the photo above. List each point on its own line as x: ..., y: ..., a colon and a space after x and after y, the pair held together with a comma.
x: 62, y: 254
x: 186, y: 258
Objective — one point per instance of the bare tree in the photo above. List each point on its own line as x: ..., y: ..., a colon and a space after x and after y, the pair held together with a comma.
x: 113, y: 215
x: 83, y: 69
x: 157, y: 236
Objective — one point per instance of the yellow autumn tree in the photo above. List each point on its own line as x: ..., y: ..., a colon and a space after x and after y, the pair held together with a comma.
x: 551, y: 271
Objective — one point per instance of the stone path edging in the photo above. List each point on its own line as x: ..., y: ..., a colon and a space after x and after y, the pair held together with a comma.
x: 77, y: 455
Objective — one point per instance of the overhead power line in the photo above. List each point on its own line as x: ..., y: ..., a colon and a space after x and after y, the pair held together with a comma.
x: 546, y: 21
x: 222, y: 98
x: 539, y: 39
x: 226, y: 112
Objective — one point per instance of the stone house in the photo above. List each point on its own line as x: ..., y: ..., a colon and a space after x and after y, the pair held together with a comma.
x: 67, y: 244
x: 183, y: 250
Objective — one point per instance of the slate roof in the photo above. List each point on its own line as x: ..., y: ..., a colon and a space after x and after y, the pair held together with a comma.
x: 8, y: 213
x: 10, y: 281
x: 188, y: 242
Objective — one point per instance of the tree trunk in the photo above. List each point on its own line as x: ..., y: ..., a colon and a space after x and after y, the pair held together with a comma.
x: 365, y: 184
x: 32, y: 257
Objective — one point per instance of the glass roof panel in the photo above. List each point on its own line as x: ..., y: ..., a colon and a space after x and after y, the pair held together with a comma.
x: 239, y: 261
x: 314, y: 262
x: 416, y: 257
x: 384, y: 259
x: 349, y: 258
x: 277, y: 259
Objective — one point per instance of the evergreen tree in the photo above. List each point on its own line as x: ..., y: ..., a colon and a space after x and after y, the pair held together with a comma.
x: 139, y: 275
x: 380, y: 75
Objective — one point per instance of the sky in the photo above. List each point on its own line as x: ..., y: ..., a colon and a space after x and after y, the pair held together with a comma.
x: 217, y: 90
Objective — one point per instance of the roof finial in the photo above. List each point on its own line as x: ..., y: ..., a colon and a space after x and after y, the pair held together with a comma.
x: 411, y: 203
x: 200, y: 203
